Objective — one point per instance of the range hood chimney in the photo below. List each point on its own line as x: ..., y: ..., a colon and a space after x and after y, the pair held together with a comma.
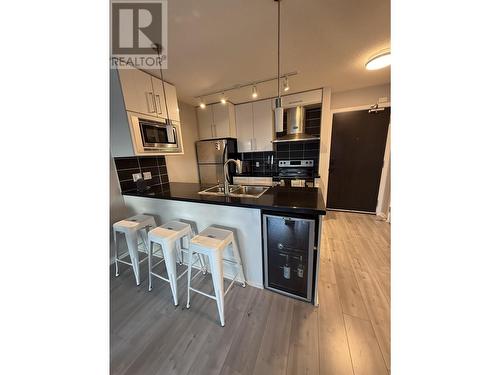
x: 295, y: 128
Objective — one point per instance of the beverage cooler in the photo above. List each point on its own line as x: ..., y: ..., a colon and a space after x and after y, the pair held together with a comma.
x: 289, y: 255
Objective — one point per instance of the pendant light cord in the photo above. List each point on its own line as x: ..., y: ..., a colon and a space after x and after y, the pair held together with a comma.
x: 279, y: 24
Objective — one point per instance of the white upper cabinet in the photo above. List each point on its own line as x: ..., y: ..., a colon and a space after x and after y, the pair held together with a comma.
x: 216, y: 121
x: 254, y: 126
x: 221, y: 120
x: 244, y: 127
x: 144, y: 94
x: 205, y: 122
x: 302, y: 98
x: 263, y: 125
x: 159, y: 97
x: 172, y: 104
x: 137, y: 91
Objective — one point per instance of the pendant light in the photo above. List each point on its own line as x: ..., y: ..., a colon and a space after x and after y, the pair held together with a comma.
x: 278, y: 110
x: 254, y: 92
x: 286, y: 86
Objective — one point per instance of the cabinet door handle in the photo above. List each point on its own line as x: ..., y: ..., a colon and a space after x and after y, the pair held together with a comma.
x: 296, y: 101
x: 214, y: 131
x: 149, y: 100
x: 158, y: 104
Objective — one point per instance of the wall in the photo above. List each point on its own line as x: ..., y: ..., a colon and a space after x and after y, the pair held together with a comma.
x: 326, y: 135
x: 183, y: 168
x: 360, y: 97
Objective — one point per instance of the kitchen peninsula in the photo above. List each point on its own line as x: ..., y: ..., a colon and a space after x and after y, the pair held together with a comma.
x: 246, y: 216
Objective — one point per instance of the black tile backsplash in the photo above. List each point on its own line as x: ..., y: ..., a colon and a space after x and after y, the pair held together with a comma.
x: 127, y: 166
x: 299, y: 150
x: 259, y: 163
x: 126, y: 163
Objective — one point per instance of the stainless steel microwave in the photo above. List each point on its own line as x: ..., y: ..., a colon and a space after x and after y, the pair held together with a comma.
x: 155, y: 135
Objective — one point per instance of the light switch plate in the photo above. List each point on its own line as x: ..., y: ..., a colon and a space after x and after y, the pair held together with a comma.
x: 147, y: 175
x: 136, y: 176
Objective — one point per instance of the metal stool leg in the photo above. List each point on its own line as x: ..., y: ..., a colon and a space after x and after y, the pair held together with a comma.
x: 190, y: 259
x: 218, y: 281
x: 134, y: 255
x: 115, y: 242
x: 150, y: 262
x: 169, y: 254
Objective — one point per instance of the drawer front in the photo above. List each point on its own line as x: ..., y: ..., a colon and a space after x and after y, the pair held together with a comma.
x: 264, y: 181
x: 240, y: 180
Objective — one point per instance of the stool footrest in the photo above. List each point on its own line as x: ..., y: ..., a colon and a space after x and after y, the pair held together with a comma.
x: 230, y: 285
x: 203, y: 293
x: 154, y: 265
x: 124, y: 262
x: 120, y: 259
x: 160, y: 277
x: 230, y: 261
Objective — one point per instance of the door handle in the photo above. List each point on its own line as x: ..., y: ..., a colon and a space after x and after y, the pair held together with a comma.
x: 149, y: 99
x: 158, y: 104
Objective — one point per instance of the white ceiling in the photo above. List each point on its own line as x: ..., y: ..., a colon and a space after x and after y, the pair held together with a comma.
x: 220, y: 43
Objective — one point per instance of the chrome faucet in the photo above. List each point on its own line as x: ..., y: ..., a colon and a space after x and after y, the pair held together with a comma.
x: 226, y: 177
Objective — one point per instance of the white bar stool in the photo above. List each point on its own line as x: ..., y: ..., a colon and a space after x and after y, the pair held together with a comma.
x: 131, y: 228
x: 169, y: 237
x: 212, y: 242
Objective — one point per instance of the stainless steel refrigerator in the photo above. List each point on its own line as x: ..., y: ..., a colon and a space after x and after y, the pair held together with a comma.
x: 211, y: 155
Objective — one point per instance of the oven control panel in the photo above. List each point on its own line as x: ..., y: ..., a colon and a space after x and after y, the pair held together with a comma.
x: 295, y: 163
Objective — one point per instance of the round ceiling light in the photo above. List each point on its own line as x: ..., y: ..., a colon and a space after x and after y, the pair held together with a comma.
x: 379, y: 61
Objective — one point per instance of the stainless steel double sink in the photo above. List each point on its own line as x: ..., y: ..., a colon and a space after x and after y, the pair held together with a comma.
x: 243, y: 191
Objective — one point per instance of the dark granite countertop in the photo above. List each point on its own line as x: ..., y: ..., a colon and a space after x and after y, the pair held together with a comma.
x: 277, y: 198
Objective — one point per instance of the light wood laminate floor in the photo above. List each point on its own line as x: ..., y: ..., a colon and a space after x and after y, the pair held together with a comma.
x: 266, y: 333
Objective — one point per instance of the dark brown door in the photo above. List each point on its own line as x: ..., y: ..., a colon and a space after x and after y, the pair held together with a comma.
x: 356, y: 159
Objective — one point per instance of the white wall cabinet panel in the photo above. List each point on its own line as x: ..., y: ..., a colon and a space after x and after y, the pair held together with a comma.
x: 221, y: 120
x: 159, y: 97
x: 302, y: 98
x: 205, y: 122
x: 254, y: 124
x: 137, y: 91
x: 216, y: 121
x: 244, y: 127
x: 263, y: 125
x: 172, y: 104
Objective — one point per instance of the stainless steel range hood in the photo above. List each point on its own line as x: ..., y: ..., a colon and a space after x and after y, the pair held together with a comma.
x: 295, y: 126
